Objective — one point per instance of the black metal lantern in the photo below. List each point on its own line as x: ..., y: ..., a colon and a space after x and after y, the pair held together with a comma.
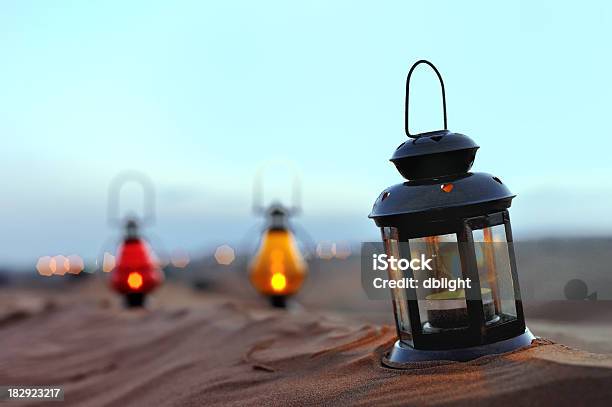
x: 461, y: 219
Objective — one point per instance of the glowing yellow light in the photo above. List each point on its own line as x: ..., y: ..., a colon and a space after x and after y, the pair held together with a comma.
x: 134, y: 280
x: 278, y: 282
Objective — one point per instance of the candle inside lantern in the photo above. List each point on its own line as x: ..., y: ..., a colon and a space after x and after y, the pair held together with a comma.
x: 447, y: 309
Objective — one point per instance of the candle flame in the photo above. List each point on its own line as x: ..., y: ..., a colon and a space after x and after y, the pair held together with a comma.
x: 278, y: 282
x: 134, y: 280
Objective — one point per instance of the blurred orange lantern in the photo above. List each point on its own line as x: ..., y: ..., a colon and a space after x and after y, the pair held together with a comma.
x: 137, y: 271
x: 278, y: 268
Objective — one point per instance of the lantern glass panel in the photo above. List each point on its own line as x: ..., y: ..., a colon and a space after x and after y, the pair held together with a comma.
x: 495, y: 273
x: 400, y: 305
x: 440, y: 308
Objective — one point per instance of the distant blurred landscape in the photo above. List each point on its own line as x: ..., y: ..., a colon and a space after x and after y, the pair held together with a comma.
x: 334, y: 286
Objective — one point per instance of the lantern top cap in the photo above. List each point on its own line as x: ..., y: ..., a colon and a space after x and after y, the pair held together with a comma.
x: 433, y: 142
x: 435, y: 153
x: 278, y: 216
x: 423, y: 198
x: 131, y: 229
x: 277, y: 209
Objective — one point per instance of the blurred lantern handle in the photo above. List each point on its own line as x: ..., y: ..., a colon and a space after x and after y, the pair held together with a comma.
x: 114, y: 196
x: 422, y: 61
x: 258, y: 200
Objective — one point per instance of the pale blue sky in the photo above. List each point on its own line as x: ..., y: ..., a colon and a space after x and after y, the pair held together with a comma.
x: 199, y: 94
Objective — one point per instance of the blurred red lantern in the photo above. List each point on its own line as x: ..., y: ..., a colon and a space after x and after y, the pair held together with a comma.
x: 137, y: 271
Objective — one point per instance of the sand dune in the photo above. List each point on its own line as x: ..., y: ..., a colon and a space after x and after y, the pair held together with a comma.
x: 219, y: 351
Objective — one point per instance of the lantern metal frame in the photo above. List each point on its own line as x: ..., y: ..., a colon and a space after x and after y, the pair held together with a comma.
x: 417, y: 208
x: 477, y: 332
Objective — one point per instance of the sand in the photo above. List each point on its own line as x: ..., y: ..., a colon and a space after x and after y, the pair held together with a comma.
x: 214, y: 350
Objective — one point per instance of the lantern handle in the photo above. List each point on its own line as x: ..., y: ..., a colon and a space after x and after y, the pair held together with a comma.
x: 258, y: 200
x: 422, y: 61
x: 114, y: 196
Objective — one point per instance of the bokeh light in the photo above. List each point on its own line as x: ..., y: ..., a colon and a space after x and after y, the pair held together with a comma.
x: 180, y: 259
x: 75, y: 264
x: 225, y: 255
x: 59, y: 265
x: 43, y: 266
x: 162, y: 260
x: 325, y: 250
x: 108, y: 264
x: 342, y: 250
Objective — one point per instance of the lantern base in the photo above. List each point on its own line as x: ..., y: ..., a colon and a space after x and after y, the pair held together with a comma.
x: 278, y: 301
x: 401, y: 356
x: 135, y: 300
